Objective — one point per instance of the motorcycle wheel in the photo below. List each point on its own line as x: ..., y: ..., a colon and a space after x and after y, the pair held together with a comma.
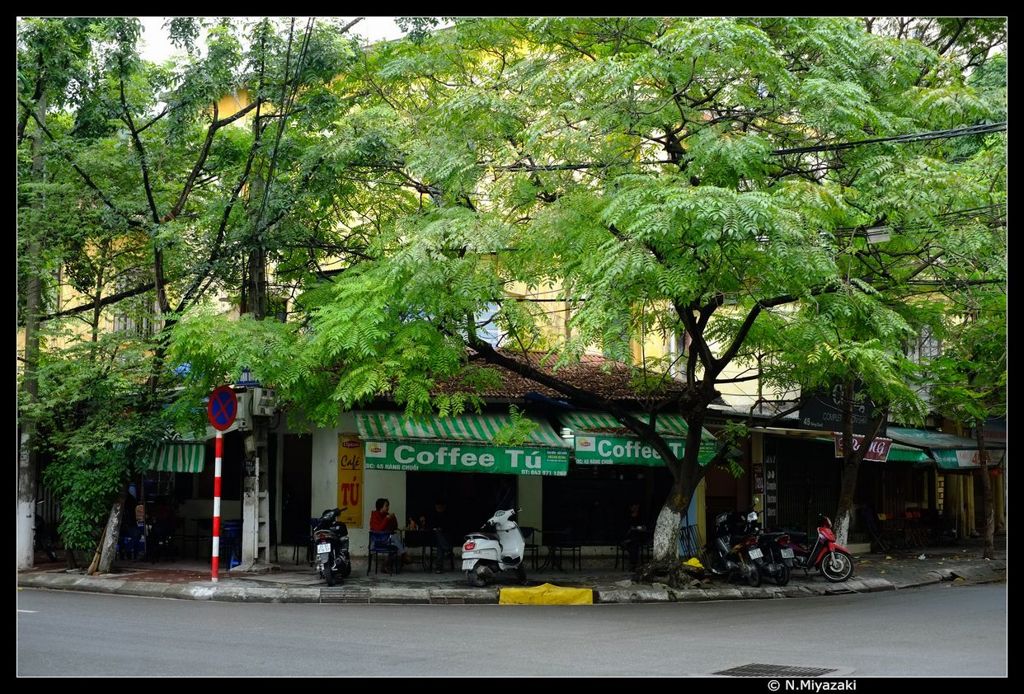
x: 345, y: 569
x: 329, y: 572
x: 782, y: 578
x: 478, y: 576
x: 836, y: 567
x: 754, y: 577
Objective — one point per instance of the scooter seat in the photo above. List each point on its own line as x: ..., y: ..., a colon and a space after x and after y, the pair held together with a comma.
x: 482, y: 536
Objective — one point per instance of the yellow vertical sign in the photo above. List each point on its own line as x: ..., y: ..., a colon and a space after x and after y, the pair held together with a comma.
x: 350, y: 479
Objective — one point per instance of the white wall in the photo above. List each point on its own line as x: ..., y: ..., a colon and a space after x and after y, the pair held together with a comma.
x: 376, y: 483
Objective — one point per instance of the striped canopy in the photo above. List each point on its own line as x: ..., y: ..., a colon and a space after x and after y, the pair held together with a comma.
x: 665, y: 424
x: 467, y: 427
x: 178, y: 456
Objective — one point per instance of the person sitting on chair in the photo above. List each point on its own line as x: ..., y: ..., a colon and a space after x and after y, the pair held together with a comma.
x: 383, y: 521
x: 441, y: 526
x: 636, y: 535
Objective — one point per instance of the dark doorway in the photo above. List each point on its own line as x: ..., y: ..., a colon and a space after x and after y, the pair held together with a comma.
x: 593, y: 500
x: 809, y: 478
x: 471, y: 498
x: 296, y: 488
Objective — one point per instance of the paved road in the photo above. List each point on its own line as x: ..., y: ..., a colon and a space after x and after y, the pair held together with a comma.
x: 940, y: 630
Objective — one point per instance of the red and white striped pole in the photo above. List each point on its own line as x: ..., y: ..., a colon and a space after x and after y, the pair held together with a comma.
x: 215, y: 558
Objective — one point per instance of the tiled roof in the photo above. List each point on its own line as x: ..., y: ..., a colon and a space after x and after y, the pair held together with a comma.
x: 605, y: 378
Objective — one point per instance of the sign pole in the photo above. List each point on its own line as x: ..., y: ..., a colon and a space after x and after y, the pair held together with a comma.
x: 221, y: 410
x: 215, y: 557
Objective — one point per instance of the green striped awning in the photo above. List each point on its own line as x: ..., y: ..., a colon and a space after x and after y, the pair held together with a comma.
x: 666, y: 424
x: 949, y: 452
x: 394, y: 426
x: 899, y: 453
x: 600, y: 439
x: 178, y: 457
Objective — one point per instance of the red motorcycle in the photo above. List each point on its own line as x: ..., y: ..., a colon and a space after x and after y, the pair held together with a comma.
x: 833, y: 560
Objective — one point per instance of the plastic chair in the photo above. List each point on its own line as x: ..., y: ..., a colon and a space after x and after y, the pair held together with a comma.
x: 635, y: 537
x: 304, y: 540
x: 558, y: 542
x: 380, y: 543
x: 532, y: 549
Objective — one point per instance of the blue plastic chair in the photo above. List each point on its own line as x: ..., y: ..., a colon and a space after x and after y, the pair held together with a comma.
x: 380, y: 543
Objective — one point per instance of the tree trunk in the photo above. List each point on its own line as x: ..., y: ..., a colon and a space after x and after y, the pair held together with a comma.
x: 845, y: 512
x: 30, y: 386
x: 108, y: 543
x: 666, y: 533
x: 851, y: 463
x: 987, y: 505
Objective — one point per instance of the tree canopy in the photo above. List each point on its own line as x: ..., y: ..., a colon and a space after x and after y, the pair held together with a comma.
x: 778, y: 190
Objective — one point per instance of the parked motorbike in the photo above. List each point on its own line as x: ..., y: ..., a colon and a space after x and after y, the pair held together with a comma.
x: 774, y: 557
x: 833, y: 560
x: 498, y: 548
x: 733, y: 549
x: 331, y: 539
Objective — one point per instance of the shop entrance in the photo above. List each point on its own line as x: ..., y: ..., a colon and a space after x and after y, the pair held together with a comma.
x: 471, y: 498
x: 296, y: 489
x: 593, y: 500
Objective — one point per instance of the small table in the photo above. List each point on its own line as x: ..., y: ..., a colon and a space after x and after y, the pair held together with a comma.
x: 424, y: 539
x: 557, y: 541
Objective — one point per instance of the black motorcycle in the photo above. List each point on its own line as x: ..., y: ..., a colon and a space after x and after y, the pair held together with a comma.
x: 733, y: 549
x: 330, y: 542
x: 774, y: 557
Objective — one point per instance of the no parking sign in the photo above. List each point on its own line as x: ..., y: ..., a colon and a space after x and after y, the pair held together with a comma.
x: 222, y: 408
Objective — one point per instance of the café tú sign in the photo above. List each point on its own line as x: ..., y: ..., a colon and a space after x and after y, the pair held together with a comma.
x: 600, y: 449
x: 447, y: 456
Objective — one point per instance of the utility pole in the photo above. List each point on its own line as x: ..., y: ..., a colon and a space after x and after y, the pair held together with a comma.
x: 256, y: 470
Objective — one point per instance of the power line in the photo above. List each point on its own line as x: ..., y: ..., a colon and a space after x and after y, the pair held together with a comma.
x: 912, y: 137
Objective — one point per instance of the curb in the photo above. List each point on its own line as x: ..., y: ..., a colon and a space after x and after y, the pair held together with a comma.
x: 241, y: 591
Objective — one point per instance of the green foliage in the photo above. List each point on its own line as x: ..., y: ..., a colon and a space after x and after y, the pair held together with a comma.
x: 83, y: 486
x: 400, y: 191
x: 517, y: 431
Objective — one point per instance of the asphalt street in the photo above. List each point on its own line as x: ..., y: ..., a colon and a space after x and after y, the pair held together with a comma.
x: 934, y: 631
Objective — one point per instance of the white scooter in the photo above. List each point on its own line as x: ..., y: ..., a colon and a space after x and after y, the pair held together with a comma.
x: 485, y: 553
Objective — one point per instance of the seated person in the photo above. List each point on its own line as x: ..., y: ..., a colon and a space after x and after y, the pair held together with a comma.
x: 383, y: 521
x: 636, y: 535
x: 439, y: 523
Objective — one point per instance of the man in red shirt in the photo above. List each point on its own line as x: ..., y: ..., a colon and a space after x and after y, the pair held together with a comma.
x: 383, y: 521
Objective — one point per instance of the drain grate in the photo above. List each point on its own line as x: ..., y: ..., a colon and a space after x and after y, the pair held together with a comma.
x: 767, y: 670
x: 445, y: 600
x: 344, y: 595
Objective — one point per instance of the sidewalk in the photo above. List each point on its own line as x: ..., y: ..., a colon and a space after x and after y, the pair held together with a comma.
x: 190, y: 580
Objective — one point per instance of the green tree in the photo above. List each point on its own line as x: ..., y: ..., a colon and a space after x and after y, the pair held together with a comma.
x: 697, y: 176
x: 165, y: 200
x: 970, y: 379
x: 50, y: 58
